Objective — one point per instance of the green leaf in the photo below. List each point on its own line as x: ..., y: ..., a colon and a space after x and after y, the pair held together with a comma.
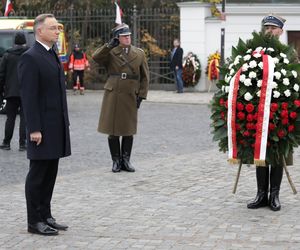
x: 220, y: 134
x: 219, y: 123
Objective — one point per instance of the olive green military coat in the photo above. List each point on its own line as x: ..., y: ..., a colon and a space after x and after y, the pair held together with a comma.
x: 119, y: 106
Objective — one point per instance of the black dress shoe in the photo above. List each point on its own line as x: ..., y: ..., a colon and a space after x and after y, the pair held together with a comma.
x: 22, y: 147
x: 42, y: 228
x: 52, y: 223
x: 5, y: 146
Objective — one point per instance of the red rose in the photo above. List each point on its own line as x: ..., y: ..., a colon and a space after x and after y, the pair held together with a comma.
x: 255, y: 116
x: 237, y: 126
x: 285, y: 121
x: 246, y: 133
x: 274, y: 107
x: 254, y: 135
x: 221, y: 102
x: 297, y: 103
x: 271, y: 115
x: 284, y: 114
x: 241, y: 115
x: 249, y: 118
x: 293, y: 115
x: 249, y: 107
x: 223, y: 115
x: 240, y: 106
x: 226, y: 104
x: 249, y: 126
x: 291, y: 128
x: 272, y: 126
x: 281, y: 133
x: 284, y: 105
x: 253, y: 145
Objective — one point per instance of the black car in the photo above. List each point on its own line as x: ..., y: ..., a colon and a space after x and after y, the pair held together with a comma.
x: 7, y: 38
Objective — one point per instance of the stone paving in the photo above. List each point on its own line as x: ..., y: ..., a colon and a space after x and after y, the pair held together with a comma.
x: 179, y: 198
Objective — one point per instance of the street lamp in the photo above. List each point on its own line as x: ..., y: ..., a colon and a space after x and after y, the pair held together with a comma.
x: 223, y: 18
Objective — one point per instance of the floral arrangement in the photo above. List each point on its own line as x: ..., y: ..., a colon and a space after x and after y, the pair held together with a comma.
x: 212, y: 69
x: 191, y: 70
x: 259, y: 70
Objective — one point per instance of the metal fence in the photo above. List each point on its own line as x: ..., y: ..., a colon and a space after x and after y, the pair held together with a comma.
x: 152, y: 29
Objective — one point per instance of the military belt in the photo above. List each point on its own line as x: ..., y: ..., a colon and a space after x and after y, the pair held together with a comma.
x: 125, y: 76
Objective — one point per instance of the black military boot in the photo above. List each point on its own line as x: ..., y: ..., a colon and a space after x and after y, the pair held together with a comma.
x: 5, y: 146
x: 114, y: 147
x: 275, y: 181
x: 262, y: 178
x: 127, y: 142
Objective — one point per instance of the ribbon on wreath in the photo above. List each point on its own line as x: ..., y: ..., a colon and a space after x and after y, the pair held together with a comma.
x: 263, y: 113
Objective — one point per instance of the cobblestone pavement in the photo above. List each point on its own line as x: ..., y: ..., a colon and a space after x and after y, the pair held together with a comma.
x: 179, y: 198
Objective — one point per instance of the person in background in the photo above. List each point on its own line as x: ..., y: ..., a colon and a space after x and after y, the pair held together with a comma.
x: 10, y: 86
x: 176, y: 64
x: 78, y: 64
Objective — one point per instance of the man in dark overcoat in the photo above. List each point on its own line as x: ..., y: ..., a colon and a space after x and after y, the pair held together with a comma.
x: 9, y: 84
x: 43, y: 96
x: 176, y: 64
x: 126, y: 87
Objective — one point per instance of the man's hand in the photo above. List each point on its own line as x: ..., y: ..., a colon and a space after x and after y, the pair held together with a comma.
x: 138, y: 101
x: 36, y: 137
x: 114, y: 42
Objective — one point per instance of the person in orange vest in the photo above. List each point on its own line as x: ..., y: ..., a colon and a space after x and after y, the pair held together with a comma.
x: 78, y: 63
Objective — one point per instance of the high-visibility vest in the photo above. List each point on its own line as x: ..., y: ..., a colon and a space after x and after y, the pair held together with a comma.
x: 78, y: 64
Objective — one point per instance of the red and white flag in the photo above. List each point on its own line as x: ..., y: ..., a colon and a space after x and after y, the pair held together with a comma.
x: 119, y: 14
x: 8, y: 7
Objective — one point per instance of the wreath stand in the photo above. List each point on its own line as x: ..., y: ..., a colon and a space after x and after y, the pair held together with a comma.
x: 211, y: 82
x: 285, y: 170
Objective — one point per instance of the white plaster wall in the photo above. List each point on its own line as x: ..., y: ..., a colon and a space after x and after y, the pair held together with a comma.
x: 202, y: 34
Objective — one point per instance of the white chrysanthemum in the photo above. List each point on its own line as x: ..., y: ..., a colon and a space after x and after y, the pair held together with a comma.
x: 247, y: 57
x: 257, y: 55
x: 231, y: 72
x: 294, y: 73
x: 223, y: 88
x: 227, y: 78
x: 242, y: 78
x: 230, y: 66
x: 226, y: 89
x: 245, y: 67
x: 296, y: 87
x: 261, y: 65
x: 282, y: 55
x: 275, y: 60
x: 286, y: 61
x: 274, y: 85
x: 252, y: 64
x: 270, y: 49
x: 249, y: 51
x: 248, y: 82
x: 276, y: 94
x: 277, y: 75
x: 286, y: 81
x: 287, y: 93
x: 248, y: 96
x: 259, y: 49
x: 258, y: 93
x: 259, y: 83
x: 236, y: 61
x: 283, y: 71
x: 252, y: 74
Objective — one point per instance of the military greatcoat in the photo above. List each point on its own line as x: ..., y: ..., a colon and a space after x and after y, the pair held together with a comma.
x: 128, y: 79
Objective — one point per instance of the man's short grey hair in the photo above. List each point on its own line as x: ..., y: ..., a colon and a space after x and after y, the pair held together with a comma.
x: 40, y: 19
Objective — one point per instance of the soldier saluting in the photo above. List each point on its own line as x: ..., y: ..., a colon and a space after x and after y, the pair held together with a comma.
x: 127, y: 85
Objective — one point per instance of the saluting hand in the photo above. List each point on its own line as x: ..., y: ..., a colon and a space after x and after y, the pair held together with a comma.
x: 36, y: 137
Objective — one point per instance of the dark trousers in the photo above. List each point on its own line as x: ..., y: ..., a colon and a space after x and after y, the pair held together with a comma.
x: 39, y: 187
x: 80, y: 74
x: 13, y: 104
